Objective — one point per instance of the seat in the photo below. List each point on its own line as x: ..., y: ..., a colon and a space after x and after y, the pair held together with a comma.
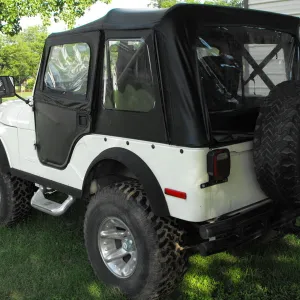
x: 223, y: 81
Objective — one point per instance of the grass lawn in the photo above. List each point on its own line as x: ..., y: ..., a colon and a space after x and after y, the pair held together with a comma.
x: 45, y: 258
x: 24, y: 95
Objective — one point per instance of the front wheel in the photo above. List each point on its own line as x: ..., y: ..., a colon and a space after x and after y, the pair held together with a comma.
x: 129, y: 247
x: 15, y: 196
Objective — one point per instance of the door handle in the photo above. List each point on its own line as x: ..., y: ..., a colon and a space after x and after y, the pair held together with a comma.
x: 82, y: 120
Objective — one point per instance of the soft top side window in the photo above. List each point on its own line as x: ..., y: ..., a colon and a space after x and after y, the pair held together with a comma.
x: 67, y: 69
x: 128, y: 80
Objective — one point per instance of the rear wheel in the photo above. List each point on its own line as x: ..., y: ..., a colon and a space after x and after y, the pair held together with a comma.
x: 129, y: 247
x: 15, y: 196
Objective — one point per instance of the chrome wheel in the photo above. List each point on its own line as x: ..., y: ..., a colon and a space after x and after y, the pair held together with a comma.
x: 117, y: 247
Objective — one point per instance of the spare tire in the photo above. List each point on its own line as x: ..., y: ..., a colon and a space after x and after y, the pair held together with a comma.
x: 277, y: 144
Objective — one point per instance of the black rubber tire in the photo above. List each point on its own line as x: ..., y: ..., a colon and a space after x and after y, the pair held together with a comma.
x: 277, y: 144
x: 15, y: 196
x: 161, y: 260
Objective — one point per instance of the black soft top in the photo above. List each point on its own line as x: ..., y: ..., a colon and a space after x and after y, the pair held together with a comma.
x: 130, y: 19
x: 173, y: 34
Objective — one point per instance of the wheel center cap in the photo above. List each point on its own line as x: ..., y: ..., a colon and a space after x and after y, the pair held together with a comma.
x: 127, y: 245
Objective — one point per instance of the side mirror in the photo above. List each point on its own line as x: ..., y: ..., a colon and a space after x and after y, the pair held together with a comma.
x: 7, y: 87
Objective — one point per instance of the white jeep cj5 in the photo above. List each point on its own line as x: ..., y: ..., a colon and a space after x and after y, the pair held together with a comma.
x: 179, y: 127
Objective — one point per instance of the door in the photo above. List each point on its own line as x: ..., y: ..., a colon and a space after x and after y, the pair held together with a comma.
x: 64, y: 94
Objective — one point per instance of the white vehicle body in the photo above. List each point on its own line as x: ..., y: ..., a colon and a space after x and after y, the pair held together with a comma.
x: 175, y: 170
x: 148, y: 117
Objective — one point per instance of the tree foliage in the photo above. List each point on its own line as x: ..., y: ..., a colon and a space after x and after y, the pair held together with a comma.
x: 169, y: 3
x: 235, y: 3
x: 20, y: 55
x: 11, y: 11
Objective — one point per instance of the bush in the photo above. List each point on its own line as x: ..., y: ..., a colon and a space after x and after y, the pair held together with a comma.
x: 30, y: 84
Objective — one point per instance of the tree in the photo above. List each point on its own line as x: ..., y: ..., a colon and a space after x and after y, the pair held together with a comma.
x: 169, y: 3
x: 20, y: 55
x: 235, y: 3
x: 11, y: 11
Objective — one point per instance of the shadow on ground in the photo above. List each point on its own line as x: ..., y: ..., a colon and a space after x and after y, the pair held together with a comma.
x: 259, y: 272
x: 45, y: 258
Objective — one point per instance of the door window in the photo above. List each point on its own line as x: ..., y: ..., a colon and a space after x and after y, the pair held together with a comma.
x: 67, y: 68
x: 128, y: 80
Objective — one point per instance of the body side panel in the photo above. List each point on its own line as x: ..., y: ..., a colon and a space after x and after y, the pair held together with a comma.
x: 179, y: 168
x: 180, y: 171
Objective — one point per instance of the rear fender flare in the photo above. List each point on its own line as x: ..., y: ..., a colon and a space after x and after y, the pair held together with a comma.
x: 142, y: 172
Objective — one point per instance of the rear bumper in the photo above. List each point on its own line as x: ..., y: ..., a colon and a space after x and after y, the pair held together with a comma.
x: 242, y: 226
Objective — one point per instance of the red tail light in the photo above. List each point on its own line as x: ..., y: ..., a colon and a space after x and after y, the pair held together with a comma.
x: 218, y: 164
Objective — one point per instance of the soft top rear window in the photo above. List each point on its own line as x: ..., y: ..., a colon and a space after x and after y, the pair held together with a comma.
x: 240, y: 65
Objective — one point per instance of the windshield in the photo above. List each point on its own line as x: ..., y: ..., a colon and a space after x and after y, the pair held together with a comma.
x: 240, y: 65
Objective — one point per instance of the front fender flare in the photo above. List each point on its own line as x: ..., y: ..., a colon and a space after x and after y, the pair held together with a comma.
x: 142, y: 171
x: 4, y: 163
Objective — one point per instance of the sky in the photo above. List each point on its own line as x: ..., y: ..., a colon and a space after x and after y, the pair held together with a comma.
x: 95, y: 12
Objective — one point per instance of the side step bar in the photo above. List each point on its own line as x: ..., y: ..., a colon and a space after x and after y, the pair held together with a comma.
x: 52, y: 208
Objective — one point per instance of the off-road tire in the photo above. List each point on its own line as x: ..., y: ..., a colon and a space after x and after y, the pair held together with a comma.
x: 162, y: 261
x: 15, y: 196
x: 277, y: 144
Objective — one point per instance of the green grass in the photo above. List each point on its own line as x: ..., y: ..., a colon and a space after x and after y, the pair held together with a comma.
x: 24, y: 95
x: 45, y: 258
